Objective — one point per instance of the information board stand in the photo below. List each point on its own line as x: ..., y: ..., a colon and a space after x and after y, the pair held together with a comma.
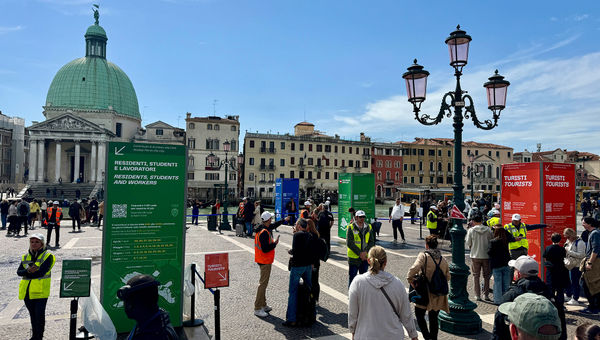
x: 75, y: 282
x: 356, y: 191
x: 286, y: 189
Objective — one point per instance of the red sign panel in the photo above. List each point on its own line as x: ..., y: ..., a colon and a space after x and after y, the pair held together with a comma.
x: 216, y: 270
x: 559, y: 198
x: 456, y: 214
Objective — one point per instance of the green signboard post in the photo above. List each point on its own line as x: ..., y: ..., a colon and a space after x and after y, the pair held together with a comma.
x: 76, y: 278
x: 356, y: 191
x: 144, y: 224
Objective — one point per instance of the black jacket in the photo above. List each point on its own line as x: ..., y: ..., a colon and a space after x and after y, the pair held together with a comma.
x: 499, y: 255
x: 303, y: 251
x: 157, y: 328
x: 74, y: 209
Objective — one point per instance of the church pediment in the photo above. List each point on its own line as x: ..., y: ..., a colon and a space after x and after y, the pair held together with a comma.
x: 69, y: 123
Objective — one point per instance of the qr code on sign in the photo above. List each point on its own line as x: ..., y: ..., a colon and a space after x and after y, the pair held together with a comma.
x: 119, y: 211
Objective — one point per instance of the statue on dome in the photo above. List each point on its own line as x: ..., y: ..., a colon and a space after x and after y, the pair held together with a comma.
x: 96, y: 14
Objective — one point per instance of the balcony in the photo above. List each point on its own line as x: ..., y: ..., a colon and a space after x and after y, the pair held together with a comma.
x: 389, y: 182
x: 318, y: 168
x: 269, y: 167
x: 366, y: 156
x: 440, y: 173
x: 301, y: 166
x: 343, y: 169
x: 421, y: 172
x: 262, y: 181
x: 310, y: 181
x: 431, y: 173
x: 450, y: 173
x: 267, y: 150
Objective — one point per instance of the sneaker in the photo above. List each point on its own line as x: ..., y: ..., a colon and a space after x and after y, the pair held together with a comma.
x: 478, y: 298
x: 267, y: 309
x: 403, y: 241
x: 487, y: 298
x: 572, y: 302
x: 261, y: 313
x: 395, y: 241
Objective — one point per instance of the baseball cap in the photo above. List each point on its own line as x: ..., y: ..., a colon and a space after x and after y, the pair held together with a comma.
x: 245, y: 198
x: 530, y: 312
x: 433, y: 207
x: 307, y: 203
x: 516, y: 217
x: 55, y: 202
x: 266, y: 216
x: 39, y: 237
x: 525, y: 264
x: 494, y: 212
x: 360, y: 213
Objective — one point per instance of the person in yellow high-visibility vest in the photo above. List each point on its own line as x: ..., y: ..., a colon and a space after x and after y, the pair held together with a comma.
x: 360, y: 238
x: 495, y: 219
x: 432, y: 220
x: 518, y: 230
x: 34, y: 288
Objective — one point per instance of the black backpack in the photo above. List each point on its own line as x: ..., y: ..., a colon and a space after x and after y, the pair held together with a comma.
x: 22, y: 209
x: 438, y: 284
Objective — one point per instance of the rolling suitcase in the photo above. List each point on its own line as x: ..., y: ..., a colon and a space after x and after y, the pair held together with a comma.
x: 239, y: 230
x: 306, y: 313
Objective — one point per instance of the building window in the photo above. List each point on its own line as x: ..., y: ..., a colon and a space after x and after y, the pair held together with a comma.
x: 326, y: 174
x: 191, y: 161
x: 490, y: 153
x: 335, y: 162
x: 319, y: 148
x: 350, y: 163
x: 190, y: 176
x: 449, y: 166
x: 420, y: 166
x: 439, y: 153
x: 497, y: 153
x: 209, y: 176
x: 335, y: 149
x: 405, y: 179
x: 233, y: 145
x: 216, y: 127
x: 292, y: 146
x: 232, y: 176
x: 251, y: 160
x: 387, y: 175
x: 405, y: 167
x: 118, y: 130
x: 335, y: 175
x: 349, y: 150
x: 251, y: 176
x: 413, y: 167
x: 282, y: 162
x: 292, y: 160
x: 431, y: 166
x: 318, y: 175
x: 212, y: 144
x: 365, y: 164
x: 209, y: 126
x: 397, y: 175
x: 343, y: 149
x: 412, y: 180
x: 251, y: 143
x: 309, y: 147
x: 431, y: 152
x: 282, y: 146
x: 310, y: 161
x: 508, y: 154
x: 301, y: 146
x: 191, y: 126
x: 430, y: 179
x: 281, y: 176
x: 421, y: 152
x: 191, y: 143
x: 379, y: 175
x: 343, y: 163
x: 327, y: 148
x: 159, y: 132
x: 233, y: 128
x: 301, y: 174
x: 292, y: 175
x: 476, y: 152
x: 439, y: 166
x: 497, y: 172
x: 449, y: 153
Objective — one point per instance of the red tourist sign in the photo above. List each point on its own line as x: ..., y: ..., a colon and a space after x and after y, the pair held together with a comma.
x: 456, y: 214
x: 216, y: 270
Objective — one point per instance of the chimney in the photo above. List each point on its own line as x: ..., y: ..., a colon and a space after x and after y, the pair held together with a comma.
x: 362, y: 136
x: 188, y: 115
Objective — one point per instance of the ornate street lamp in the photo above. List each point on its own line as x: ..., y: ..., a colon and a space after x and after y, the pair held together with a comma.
x: 462, y: 318
x: 215, y: 164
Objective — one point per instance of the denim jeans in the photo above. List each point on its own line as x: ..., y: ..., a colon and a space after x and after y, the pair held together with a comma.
x: 4, y: 220
x: 354, y: 269
x: 248, y: 228
x: 295, y: 274
x: 574, y: 289
x: 501, y: 282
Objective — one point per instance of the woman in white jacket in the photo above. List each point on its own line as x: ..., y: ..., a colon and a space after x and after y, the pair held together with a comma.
x: 372, y: 314
x: 575, y: 248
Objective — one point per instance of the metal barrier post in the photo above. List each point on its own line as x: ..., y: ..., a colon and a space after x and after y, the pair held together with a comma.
x: 193, y: 322
x: 217, y: 314
x: 73, y: 319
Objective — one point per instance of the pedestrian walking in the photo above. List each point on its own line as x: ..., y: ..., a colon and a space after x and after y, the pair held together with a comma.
x: 4, y: 205
x: 591, y: 267
x: 140, y: 298
x: 413, y: 211
x: 324, y: 224
x: 429, y: 262
x: 360, y: 238
x: 499, y: 257
x: 43, y: 208
x: 396, y: 217
x: 34, y: 289
x: 378, y: 305
x: 316, y: 247
x: 575, y: 248
x: 531, y: 316
x: 300, y: 267
x: 195, y: 212
x: 264, y: 254
x: 14, y: 226
x: 256, y: 220
x: 34, y: 213
x: 74, y: 209
x: 478, y: 241
x: 93, y: 218
x: 54, y: 217
x: 23, y: 214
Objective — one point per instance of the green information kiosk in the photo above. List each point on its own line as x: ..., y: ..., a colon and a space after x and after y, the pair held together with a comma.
x: 144, y: 224
x: 356, y: 191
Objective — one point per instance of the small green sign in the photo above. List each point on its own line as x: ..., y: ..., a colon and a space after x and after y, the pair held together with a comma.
x: 76, y: 278
x: 356, y: 191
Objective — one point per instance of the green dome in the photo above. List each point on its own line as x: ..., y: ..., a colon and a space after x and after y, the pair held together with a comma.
x: 96, y: 30
x: 93, y: 83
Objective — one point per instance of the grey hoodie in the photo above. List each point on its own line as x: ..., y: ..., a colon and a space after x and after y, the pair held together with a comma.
x: 478, y: 240
x: 370, y: 315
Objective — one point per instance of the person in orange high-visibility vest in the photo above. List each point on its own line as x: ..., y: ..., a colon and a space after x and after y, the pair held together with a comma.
x: 53, y: 217
x: 264, y: 254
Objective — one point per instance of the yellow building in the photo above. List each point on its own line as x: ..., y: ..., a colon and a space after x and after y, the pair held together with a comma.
x: 427, y: 163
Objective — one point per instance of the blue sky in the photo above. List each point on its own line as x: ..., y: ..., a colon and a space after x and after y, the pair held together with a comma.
x: 337, y: 63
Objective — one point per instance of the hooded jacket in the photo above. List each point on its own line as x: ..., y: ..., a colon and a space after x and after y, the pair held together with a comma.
x: 478, y: 240
x: 370, y: 315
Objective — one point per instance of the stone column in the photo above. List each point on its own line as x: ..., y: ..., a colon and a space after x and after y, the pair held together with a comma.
x: 41, y: 159
x: 93, y: 163
x: 32, y: 159
x: 76, y: 162
x: 101, y: 159
x: 57, y: 161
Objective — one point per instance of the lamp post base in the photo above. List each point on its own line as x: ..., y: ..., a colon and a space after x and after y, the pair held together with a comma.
x: 460, y: 322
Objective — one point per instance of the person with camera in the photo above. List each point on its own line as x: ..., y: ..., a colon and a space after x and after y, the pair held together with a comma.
x: 34, y: 288
x: 140, y: 297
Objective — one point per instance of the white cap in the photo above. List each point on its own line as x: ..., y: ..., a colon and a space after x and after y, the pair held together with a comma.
x: 516, y: 217
x: 495, y: 212
x: 39, y: 237
x: 55, y: 202
x: 433, y: 207
x: 307, y: 203
x: 360, y: 213
x: 266, y: 216
x: 525, y: 265
x: 245, y: 198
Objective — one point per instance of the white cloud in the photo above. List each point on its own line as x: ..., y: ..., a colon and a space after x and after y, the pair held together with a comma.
x: 581, y: 17
x: 9, y: 29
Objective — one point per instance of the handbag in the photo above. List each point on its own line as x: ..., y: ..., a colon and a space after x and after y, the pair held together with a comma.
x: 419, y: 291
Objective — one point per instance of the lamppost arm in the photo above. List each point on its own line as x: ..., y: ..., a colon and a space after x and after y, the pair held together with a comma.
x: 470, y: 114
x: 426, y: 119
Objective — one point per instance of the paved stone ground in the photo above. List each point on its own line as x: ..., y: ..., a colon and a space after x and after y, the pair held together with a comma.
x: 237, y: 301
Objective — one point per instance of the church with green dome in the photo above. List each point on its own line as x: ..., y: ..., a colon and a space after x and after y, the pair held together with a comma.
x: 90, y: 101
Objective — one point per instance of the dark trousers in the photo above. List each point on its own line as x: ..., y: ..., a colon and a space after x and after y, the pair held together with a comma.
x: 76, y: 220
x: 412, y: 217
x: 13, y: 224
x: 100, y: 219
x: 325, y: 233
x: 49, y: 235
x: 397, y: 225
x: 195, y: 218
x: 354, y: 269
x: 594, y: 303
x: 93, y: 216
x: 316, y: 287
x: 37, y: 314
x: 430, y: 332
x: 23, y: 221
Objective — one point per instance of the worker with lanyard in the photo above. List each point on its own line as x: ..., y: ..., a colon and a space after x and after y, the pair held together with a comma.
x: 520, y: 245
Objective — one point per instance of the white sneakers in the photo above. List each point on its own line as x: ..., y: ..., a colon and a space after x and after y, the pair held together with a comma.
x: 263, y: 312
x: 574, y: 302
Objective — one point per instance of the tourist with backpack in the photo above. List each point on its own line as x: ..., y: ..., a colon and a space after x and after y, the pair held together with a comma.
x: 436, y: 270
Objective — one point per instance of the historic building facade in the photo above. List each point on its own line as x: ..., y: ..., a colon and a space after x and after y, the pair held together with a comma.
x: 12, y: 149
x: 90, y: 101
x: 314, y: 158
x: 386, y: 164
